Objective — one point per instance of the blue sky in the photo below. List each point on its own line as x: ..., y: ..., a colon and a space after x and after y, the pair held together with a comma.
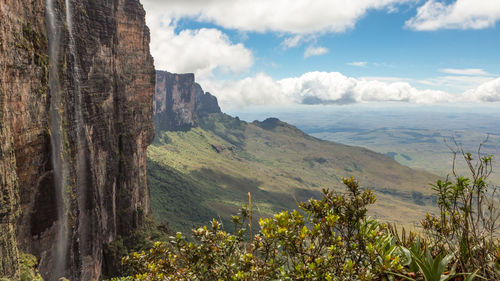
x: 286, y: 52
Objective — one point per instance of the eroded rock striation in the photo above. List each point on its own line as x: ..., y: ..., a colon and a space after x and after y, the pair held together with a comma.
x: 105, y: 90
x: 179, y: 101
x: 23, y: 122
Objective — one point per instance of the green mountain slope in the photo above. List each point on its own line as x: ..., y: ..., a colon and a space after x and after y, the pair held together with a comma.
x: 207, y: 171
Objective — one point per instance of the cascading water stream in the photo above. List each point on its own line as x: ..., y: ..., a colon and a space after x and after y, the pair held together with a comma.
x: 59, y: 162
x: 59, y: 157
x: 82, y: 166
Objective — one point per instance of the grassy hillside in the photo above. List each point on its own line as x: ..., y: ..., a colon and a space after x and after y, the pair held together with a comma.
x: 206, y: 172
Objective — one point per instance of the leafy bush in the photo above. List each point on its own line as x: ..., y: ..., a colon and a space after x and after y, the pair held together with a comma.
x: 332, y: 239
x: 28, y: 268
x: 467, y: 225
x: 140, y: 239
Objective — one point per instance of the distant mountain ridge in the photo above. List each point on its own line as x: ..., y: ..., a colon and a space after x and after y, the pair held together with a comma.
x: 204, y: 169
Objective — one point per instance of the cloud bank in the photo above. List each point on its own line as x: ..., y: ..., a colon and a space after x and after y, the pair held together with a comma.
x: 487, y: 92
x: 335, y: 88
x: 306, y: 16
x: 461, y: 14
x: 201, y: 51
x: 297, y: 17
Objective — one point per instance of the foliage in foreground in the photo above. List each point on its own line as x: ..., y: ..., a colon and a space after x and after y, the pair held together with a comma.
x: 27, y: 269
x: 467, y: 225
x: 332, y: 239
x: 140, y: 239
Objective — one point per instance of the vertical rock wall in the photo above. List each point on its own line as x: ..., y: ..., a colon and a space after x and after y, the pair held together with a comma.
x: 179, y: 101
x: 174, y: 102
x: 23, y: 122
x: 116, y: 84
x: 9, y: 208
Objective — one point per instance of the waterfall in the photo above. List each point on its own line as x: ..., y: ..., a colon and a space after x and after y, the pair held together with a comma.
x: 59, y: 162
x: 59, y: 157
x: 82, y: 166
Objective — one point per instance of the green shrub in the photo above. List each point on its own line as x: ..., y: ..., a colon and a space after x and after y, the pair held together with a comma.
x: 467, y: 225
x: 140, y: 239
x: 28, y: 268
x: 331, y: 239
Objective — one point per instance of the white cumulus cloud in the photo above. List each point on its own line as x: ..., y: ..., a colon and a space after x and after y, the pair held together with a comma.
x: 258, y: 90
x: 487, y: 92
x: 460, y: 14
x: 336, y: 88
x: 297, y: 16
x: 200, y: 51
x: 315, y: 51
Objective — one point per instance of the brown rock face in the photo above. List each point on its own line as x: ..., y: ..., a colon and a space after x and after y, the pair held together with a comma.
x: 206, y: 103
x: 23, y: 120
x: 106, y: 86
x: 179, y: 101
x: 174, y: 102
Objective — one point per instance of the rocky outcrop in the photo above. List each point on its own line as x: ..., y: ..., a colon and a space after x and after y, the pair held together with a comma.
x: 206, y: 103
x: 174, y: 102
x: 179, y: 101
x: 106, y: 86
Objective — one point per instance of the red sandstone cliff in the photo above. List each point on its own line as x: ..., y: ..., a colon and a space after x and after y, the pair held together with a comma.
x: 174, y: 101
x: 106, y: 188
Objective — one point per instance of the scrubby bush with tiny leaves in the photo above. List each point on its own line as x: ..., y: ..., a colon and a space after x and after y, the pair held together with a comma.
x: 331, y: 239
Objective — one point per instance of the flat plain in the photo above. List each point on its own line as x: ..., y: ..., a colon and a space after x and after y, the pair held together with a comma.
x: 419, y: 137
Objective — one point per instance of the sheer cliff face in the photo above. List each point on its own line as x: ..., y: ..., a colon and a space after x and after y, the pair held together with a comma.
x: 174, y: 102
x: 106, y: 191
x: 179, y: 101
x: 23, y: 122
